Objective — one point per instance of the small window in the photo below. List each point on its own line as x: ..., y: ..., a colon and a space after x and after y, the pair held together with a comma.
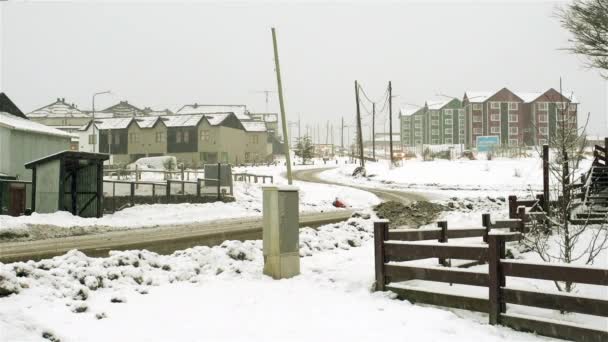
x: 186, y: 136
x: 447, y: 131
x: 418, y: 118
x: 543, y: 106
x: 495, y: 117
x: 160, y: 137
x: 91, y: 139
x: 178, y: 137
x: 447, y: 111
x: 434, y: 132
x: 572, y: 107
x: 543, y: 118
x: 476, y: 118
x: 205, y: 135
x: 448, y: 140
x: 417, y: 126
x: 133, y: 138
x: 435, y: 141
x: 418, y: 141
x: 513, y: 130
x: 513, y: 105
x: 476, y: 106
x: 417, y: 134
x: 461, y: 112
x: 560, y: 105
x: 116, y: 139
x: 513, y: 142
x: 543, y: 130
x: 435, y: 122
x: 477, y: 130
x: 512, y: 117
x: 573, y: 119
x: 448, y: 121
x: 495, y: 129
x: 495, y: 105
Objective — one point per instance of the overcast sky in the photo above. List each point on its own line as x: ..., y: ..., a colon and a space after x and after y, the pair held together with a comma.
x: 164, y: 55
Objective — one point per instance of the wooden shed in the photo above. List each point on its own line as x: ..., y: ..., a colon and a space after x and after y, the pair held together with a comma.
x: 70, y: 181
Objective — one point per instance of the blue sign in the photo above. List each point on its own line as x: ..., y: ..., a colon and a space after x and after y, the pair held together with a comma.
x: 487, y: 143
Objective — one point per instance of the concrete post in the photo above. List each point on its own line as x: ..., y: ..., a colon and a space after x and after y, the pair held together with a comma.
x: 281, y: 231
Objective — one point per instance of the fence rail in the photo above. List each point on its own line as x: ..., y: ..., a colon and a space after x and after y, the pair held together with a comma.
x: 388, y: 251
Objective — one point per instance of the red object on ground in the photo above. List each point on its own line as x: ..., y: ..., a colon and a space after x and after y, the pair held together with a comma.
x: 338, y: 204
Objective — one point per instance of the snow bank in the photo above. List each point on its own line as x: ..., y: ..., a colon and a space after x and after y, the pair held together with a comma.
x: 153, y: 163
x: 204, y: 293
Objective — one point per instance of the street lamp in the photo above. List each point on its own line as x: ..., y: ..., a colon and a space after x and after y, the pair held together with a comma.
x: 94, y: 136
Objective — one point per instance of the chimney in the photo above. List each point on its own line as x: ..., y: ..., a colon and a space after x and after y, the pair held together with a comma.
x: 63, y: 99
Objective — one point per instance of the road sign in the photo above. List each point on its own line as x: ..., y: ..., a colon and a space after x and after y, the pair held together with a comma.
x: 487, y: 143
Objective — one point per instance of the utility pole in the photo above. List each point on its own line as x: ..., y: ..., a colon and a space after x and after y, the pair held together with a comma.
x: 374, y: 130
x: 359, y: 131
x: 342, y: 135
x: 390, y: 118
x: 283, y: 118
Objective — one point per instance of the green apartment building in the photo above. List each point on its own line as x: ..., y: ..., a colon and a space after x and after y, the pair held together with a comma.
x: 437, y: 123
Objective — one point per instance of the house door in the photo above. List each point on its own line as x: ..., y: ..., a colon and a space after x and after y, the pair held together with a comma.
x: 16, y: 204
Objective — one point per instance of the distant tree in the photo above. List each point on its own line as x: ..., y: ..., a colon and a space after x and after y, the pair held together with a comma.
x: 587, y: 20
x: 304, y: 148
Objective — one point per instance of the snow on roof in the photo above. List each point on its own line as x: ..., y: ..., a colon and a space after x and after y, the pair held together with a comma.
x: 146, y: 121
x: 267, y: 117
x: 239, y: 110
x: 479, y: 96
x: 20, y: 124
x: 408, y: 110
x: 113, y: 123
x: 254, y: 126
x: 527, y: 97
x: 58, y: 109
x: 437, y: 104
x: 217, y: 118
x: 184, y: 120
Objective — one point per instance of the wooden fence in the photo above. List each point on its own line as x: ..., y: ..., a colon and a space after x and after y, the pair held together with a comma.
x: 404, y: 245
x: 166, y: 195
x: 248, y: 177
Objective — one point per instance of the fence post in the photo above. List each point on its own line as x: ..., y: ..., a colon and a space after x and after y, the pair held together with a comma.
x: 132, y: 193
x: 486, y: 222
x: 113, y: 197
x: 137, y: 174
x: 541, y: 201
x: 168, y: 191
x: 443, y: 237
x: 521, y: 214
x: 380, y: 235
x: 219, y: 170
x: 182, y: 167
x: 198, y: 187
x: 512, y: 206
x: 496, y: 251
x: 154, y: 192
x: 546, y: 176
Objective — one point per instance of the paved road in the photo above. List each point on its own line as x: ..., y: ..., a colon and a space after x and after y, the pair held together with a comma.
x: 164, y: 240
x: 313, y: 175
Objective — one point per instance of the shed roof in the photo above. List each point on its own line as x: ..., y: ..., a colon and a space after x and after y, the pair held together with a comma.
x: 7, y: 106
x: 67, y: 154
x: 21, y: 124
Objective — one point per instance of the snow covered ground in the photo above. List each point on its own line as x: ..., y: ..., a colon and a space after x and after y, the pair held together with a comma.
x: 220, y: 294
x: 313, y: 198
x: 461, y: 178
